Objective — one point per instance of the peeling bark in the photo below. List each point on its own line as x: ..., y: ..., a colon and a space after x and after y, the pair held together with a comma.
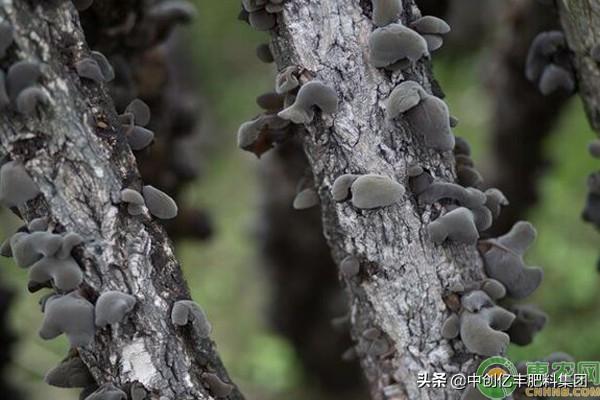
x: 78, y: 156
x: 404, y: 276
x: 581, y: 23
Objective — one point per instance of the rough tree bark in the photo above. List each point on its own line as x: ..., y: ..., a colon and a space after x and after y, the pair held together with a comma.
x: 305, y: 285
x: 77, y: 154
x: 522, y: 118
x: 581, y: 23
x: 404, y: 276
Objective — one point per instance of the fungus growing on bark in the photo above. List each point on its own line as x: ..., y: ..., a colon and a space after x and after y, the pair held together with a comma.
x: 470, y: 198
x: 428, y: 115
x: 16, y: 186
x: 462, y: 147
x: 594, y: 148
x: 386, y: 11
x: 30, y: 98
x: 432, y: 29
x: 38, y: 224
x: 112, y: 306
x: 468, y: 176
x: 481, y: 332
x: 160, y: 204
x: 405, y: 96
x: 140, y: 111
x: 262, y: 133
x: 108, y: 73
x: 548, y: 64
x: 264, y: 54
x: 529, y: 321
x: 476, y: 300
x: 186, y: 311
x: 340, y: 190
x: 88, y: 68
x: 350, y: 267
x: 395, y: 43
x: 374, y: 191
x: 70, y: 314
x: 139, y: 138
x: 312, y: 94
x: 495, y: 200
x: 271, y: 101
x: 306, y: 199
x: 451, y: 327
x: 70, y: 373
x: 49, y: 258
x: 457, y: 225
x: 419, y: 181
x: 504, y: 261
x: 107, y: 392
x: 137, y: 391
x: 82, y: 5
x: 493, y: 288
x: 287, y: 79
x: 21, y: 75
x: 135, y: 201
x: 6, y: 37
x: 216, y: 385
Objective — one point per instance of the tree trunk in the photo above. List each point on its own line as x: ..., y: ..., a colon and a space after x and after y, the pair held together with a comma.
x: 77, y: 154
x: 522, y: 118
x: 581, y: 23
x: 404, y: 276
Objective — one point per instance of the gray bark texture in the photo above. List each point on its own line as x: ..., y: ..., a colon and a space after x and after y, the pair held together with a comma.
x: 404, y: 277
x: 581, y: 23
x: 77, y: 154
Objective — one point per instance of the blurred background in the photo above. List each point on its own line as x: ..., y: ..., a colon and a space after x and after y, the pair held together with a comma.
x: 261, y: 271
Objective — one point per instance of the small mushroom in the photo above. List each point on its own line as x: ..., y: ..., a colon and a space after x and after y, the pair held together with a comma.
x: 555, y: 78
x: 494, y: 289
x: 457, y: 225
x: 107, y: 392
x: 340, y: 190
x: 271, y: 102
x: 438, y: 191
x: 112, y: 306
x: 186, y: 311
x: 312, y: 94
x: 405, y: 96
x: 30, y: 98
x: 386, y: 11
x: 88, y: 68
x: 306, y: 199
x: 419, y: 182
x: 38, y: 224
x: 430, y: 119
x: 495, y: 200
x: 350, y: 267
x: 287, y: 80
x: 70, y: 314
x: 21, y: 75
x: 140, y: 111
x: 159, y: 203
x: 139, y: 138
x: 476, y: 300
x: 6, y: 37
x: 468, y: 176
x: 504, y: 261
x: 16, y: 186
x: 451, y: 327
x: 394, y: 43
x: 70, y: 373
x: 264, y: 54
x: 481, y: 332
x: 375, y: 191
x: 594, y: 148
x: 262, y: 20
x: 82, y: 5
x: 65, y: 273
x: 138, y: 391
x: 262, y: 133
x: 433, y: 30
x: 529, y: 321
x: 461, y: 146
x: 108, y: 73
x: 216, y: 385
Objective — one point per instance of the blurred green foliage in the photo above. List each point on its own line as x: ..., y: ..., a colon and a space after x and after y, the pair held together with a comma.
x: 225, y: 275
